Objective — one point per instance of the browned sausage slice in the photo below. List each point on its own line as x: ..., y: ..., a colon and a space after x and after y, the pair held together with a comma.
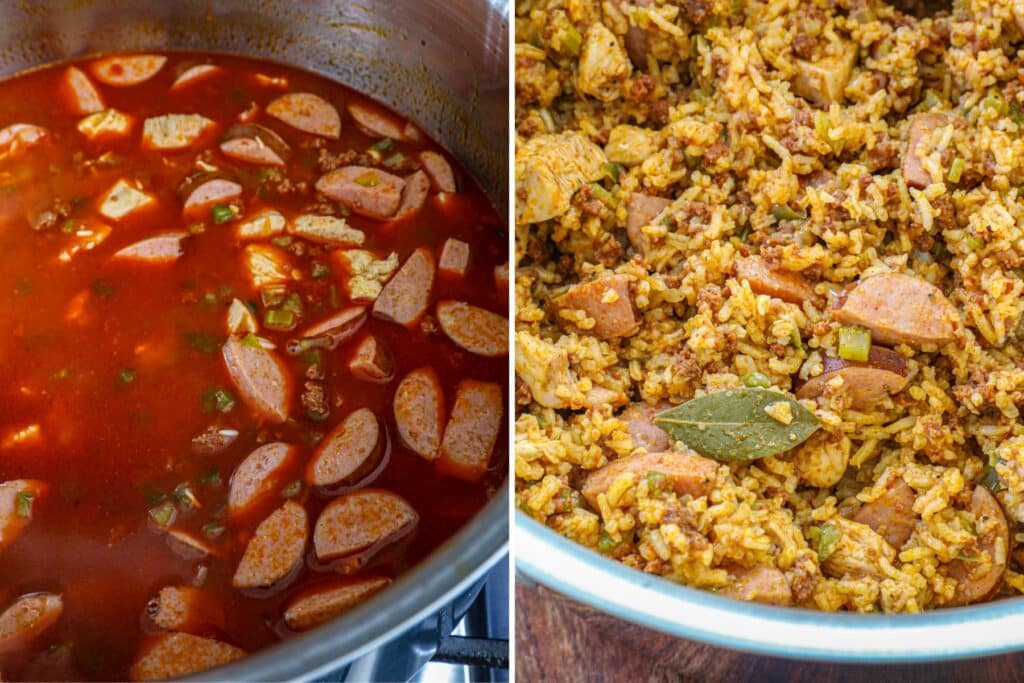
x: 921, y: 125
x: 475, y: 329
x: 123, y: 71
x: 376, y: 122
x: 339, y: 327
x: 20, y: 136
x: 899, y: 309
x: 367, y: 191
x: 184, y: 608
x: 307, y: 112
x: 471, y: 431
x: 608, y: 302
x: 351, y: 449
x: 358, y: 520
x: 639, y: 419
x: 891, y: 514
x: 884, y: 374
x: 260, y: 377
x: 437, y: 168
x: 165, y: 248
x: 172, y: 655
x: 259, y: 478
x: 79, y: 93
x: 255, y: 144
x: 686, y: 473
x: 27, y: 618
x: 317, y: 604
x: 641, y: 211
x: 372, y: 361
x: 454, y: 259
x: 195, y: 74
x: 405, y: 297
x: 774, y: 282
x: 414, y: 195
x: 759, y: 584
x: 276, y: 548
x: 18, y: 499
x: 978, y: 580
x: 419, y: 412
x: 214, y: 191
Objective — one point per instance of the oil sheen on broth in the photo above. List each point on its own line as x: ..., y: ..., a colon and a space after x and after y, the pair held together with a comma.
x: 254, y: 360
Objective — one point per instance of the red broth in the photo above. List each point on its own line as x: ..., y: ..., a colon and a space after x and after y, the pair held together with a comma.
x: 109, y: 367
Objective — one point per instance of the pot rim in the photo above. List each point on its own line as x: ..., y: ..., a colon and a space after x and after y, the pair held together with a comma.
x: 545, y: 557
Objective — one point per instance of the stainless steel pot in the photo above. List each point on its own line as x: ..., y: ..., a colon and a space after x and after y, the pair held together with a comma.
x: 442, y: 63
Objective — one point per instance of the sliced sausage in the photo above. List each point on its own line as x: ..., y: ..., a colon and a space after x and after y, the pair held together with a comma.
x: 475, y: 329
x: 372, y: 361
x: 898, y: 309
x: 123, y: 71
x: 195, y: 74
x: 184, y: 608
x: 165, y: 248
x: 419, y: 412
x: 471, y: 431
x: 107, y: 125
x: 124, y: 200
x: 405, y: 297
x: 338, y: 327
x: 326, y: 230
x: 351, y: 449
x: 259, y: 478
x: 921, y: 126
x: 27, y: 618
x: 307, y: 112
x: 321, y: 603
x: 376, y: 122
x: 255, y: 144
x: 266, y: 265
x: 437, y: 168
x: 276, y: 549
x: 978, y: 580
x: 263, y: 225
x: 172, y: 655
x: 358, y: 520
x: 884, y: 374
x: 608, y: 302
x: 79, y: 93
x: 261, y: 379
x: 641, y: 211
x: 18, y: 499
x: 206, y: 194
x: 891, y: 514
x: 687, y: 473
x: 454, y: 261
x: 775, y: 282
x: 766, y: 585
x: 174, y: 132
x: 639, y: 419
x: 414, y: 195
x: 367, y: 191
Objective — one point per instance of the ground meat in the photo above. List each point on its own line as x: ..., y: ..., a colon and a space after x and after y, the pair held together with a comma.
x: 588, y: 204
x: 314, y: 400
x: 530, y: 126
x: 803, y: 46
x: 945, y: 213
x: 658, y: 113
x: 714, y: 152
x: 276, y: 182
x: 686, y: 366
x: 327, y: 161
x: 696, y: 11
x: 322, y: 208
x: 711, y: 294
x: 428, y: 325
x: 641, y: 88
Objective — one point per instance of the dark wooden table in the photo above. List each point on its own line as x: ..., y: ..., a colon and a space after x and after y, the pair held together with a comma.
x: 561, y: 640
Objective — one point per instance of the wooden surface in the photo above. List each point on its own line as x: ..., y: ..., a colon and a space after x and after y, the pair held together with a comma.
x: 560, y: 640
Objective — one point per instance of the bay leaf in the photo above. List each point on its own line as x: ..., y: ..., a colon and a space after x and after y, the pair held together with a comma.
x: 732, y: 425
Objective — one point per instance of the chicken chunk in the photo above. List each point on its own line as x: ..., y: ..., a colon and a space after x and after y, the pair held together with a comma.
x: 263, y: 225
x: 106, y: 125
x: 857, y: 551
x: 549, y: 170
x: 326, y: 230
x: 175, y: 132
x: 687, y: 473
x: 366, y: 272
x: 124, y: 200
x: 823, y: 81
x: 606, y: 305
x: 759, y: 584
x: 604, y: 65
x: 631, y: 145
x: 891, y: 514
x: 899, y: 309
